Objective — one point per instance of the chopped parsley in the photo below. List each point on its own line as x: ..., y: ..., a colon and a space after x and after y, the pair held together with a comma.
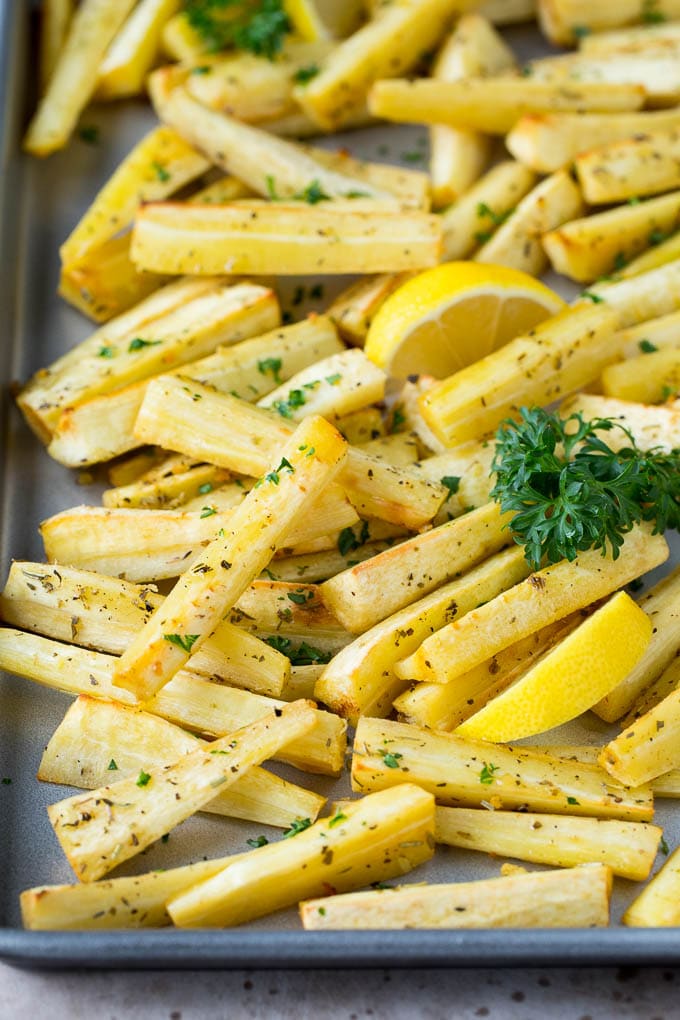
x: 294, y: 400
x: 313, y: 193
x: 300, y: 597
x: 336, y: 819
x: 89, y: 133
x: 647, y: 347
x: 391, y: 758
x: 270, y: 366
x: 184, y: 641
x: 139, y: 344
x: 299, y: 825
x: 572, y: 800
x: 305, y: 74
x: 257, y: 842
x: 398, y: 419
x: 205, y: 488
x: 160, y: 171
x: 663, y: 847
x: 208, y: 511
x: 488, y: 772
x: 452, y: 483
x: 592, y: 296
x: 143, y: 779
x: 348, y: 540
x: 258, y: 26
x: 112, y: 767
x: 106, y: 352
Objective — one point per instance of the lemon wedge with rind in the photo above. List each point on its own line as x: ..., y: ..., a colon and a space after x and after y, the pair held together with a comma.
x: 452, y: 315
x: 570, y: 678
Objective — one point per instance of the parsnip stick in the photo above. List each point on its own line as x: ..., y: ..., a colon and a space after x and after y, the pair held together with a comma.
x: 256, y: 157
x: 643, y: 165
x: 478, y: 212
x: 231, y: 433
x: 628, y: 848
x: 546, y: 596
x: 359, y: 427
x: 56, y: 17
x: 160, y: 164
x: 457, y: 158
x: 250, y: 88
x: 189, y: 700
x: 309, y: 461
x: 134, y: 50
x: 374, y: 839
x: 335, y: 386
x: 470, y: 463
x: 134, y: 347
x: 578, y: 898
x: 399, y: 449
x: 651, y: 426
x: 588, y: 248
x: 648, y: 748
x: 518, y: 241
x: 365, y: 594
x: 649, y: 379
x: 105, y: 282
x: 456, y: 772
x: 667, y: 785
x: 103, y: 427
x: 386, y: 46
x: 559, y: 19
x: 508, y: 12
x: 101, y: 741
x: 662, y: 605
x: 657, y: 906
x: 173, y: 489
x: 137, y: 901
x: 99, y: 831
x: 645, y: 296
x: 546, y: 142
x: 662, y: 36
x: 446, y: 706
x: 133, y: 467
x: 91, y: 30
x: 322, y: 565
x: 361, y: 680
x: 659, y: 255
x: 267, y: 237
x: 492, y: 105
x: 655, y: 70
x: 104, y: 613
x: 556, y: 357
x: 411, y: 187
x: 665, y: 684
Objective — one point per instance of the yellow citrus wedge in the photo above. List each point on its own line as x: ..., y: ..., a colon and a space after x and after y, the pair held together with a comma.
x: 450, y: 316
x: 570, y: 678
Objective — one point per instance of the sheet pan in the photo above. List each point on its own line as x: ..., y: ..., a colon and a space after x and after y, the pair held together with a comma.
x: 39, y: 202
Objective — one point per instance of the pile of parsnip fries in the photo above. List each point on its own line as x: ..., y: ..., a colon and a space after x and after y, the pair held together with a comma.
x: 339, y: 561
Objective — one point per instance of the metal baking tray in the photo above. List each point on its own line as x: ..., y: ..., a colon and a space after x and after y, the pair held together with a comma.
x: 39, y: 202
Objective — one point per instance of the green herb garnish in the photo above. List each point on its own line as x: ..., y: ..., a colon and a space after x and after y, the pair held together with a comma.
x: 270, y: 366
x: 570, y: 492
x: 160, y: 171
x: 299, y: 825
x: 647, y: 347
x: 106, y: 352
x: 452, y: 483
x: 257, y: 842
x: 305, y: 74
x: 258, y: 26
x: 112, y: 767
x: 139, y: 344
x: 89, y: 133
x: 208, y: 511
x: 184, y: 641
x: 143, y: 779
x: 487, y: 773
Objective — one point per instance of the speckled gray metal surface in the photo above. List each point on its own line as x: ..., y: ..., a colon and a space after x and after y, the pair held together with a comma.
x: 41, y: 201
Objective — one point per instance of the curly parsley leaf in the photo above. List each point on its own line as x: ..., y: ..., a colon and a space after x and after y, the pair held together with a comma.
x: 258, y: 26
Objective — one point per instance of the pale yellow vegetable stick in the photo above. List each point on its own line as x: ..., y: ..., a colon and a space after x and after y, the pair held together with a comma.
x: 255, y: 156
x: 374, y: 839
x: 651, y: 426
x: 471, y: 773
x: 189, y: 701
x: 560, y: 19
x: 667, y: 682
x: 353, y: 309
x: 56, y: 16
x: 104, y: 613
x: 648, y: 379
x: 101, y: 830
x: 360, y: 679
x: 102, y: 741
x: 137, y: 901
x: 233, y: 434
x: 518, y: 241
x: 560, y: 355
x: 662, y: 605
x: 74, y: 78
x: 492, y: 105
x: 662, y: 36
x: 659, y: 255
x: 585, y: 249
x: 411, y: 187
x: 457, y: 158
x: 332, y: 387
x: 386, y: 46
x: 158, y: 165
x: 656, y: 70
x: 667, y: 785
x: 134, y: 50
x: 648, y: 748
x: 308, y: 462
x: 365, y: 594
x: 628, y: 848
x: 286, y: 238
x: 643, y: 165
x: 548, y: 595
x: 578, y: 898
x: 658, y: 905
x: 546, y: 142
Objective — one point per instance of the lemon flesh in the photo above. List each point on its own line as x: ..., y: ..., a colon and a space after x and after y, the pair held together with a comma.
x: 570, y: 678
x: 451, y: 316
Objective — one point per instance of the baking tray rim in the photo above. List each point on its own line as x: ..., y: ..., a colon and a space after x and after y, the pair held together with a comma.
x: 259, y: 949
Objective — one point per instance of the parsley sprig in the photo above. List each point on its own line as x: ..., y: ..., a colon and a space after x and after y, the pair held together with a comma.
x: 569, y: 491
x: 258, y: 26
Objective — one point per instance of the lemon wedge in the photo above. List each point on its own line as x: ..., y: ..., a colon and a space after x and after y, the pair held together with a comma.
x: 450, y: 316
x: 570, y: 678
